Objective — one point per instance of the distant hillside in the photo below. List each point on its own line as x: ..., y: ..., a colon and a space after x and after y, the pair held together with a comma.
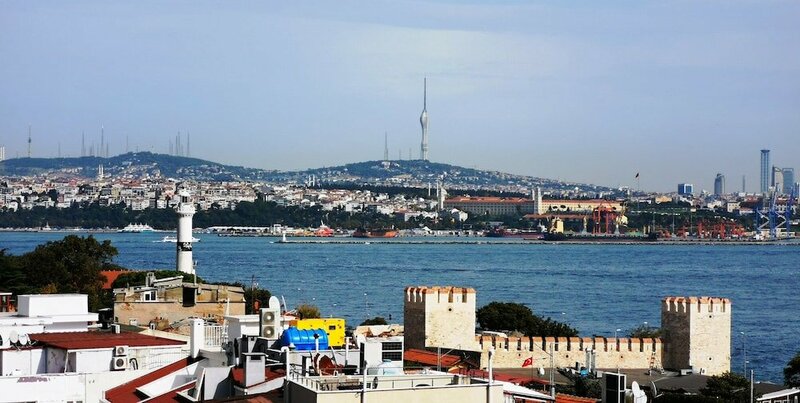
x: 409, y: 173
x: 134, y: 165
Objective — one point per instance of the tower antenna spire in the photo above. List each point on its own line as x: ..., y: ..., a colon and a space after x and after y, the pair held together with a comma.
x: 423, y: 121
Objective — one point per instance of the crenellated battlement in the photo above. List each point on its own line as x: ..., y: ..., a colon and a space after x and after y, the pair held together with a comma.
x: 622, y: 344
x: 447, y: 294
x: 696, y: 304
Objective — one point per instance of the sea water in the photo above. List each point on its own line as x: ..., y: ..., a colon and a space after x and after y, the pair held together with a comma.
x: 594, y: 288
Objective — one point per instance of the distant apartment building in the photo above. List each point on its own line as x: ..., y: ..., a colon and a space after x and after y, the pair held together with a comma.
x: 685, y: 189
x: 776, y: 183
x: 719, y: 185
x: 524, y: 206
x: 788, y: 181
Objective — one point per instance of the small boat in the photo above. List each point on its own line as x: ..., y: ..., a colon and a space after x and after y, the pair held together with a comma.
x: 375, y: 233
x: 323, y: 231
x: 174, y: 239
x: 137, y: 228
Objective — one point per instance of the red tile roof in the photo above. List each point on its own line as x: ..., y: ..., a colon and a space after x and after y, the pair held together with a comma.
x: 126, y: 393
x: 564, y: 398
x: 111, y: 275
x: 517, y: 380
x: 270, y: 373
x: 97, y: 339
x: 430, y: 358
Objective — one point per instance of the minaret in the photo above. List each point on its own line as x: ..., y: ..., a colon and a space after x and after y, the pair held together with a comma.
x: 423, y: 121
x: 185, y: 209
x: 102, y: 140
x: 29, y: 141
x: 83, y: 144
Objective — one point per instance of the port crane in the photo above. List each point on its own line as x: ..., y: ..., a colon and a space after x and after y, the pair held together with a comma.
x: 771, y: 219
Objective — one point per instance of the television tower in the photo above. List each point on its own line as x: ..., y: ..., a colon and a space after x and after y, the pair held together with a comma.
x: 423, y: 121
x: 29, y: 141
x: 83, y: 144
x: 385, y: 146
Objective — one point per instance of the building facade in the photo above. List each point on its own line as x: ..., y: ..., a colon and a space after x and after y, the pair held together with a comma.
x: 719, y: 185
x: 765, y: 166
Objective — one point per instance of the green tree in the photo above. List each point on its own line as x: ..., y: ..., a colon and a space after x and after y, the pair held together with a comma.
x: 645, y: 331
x: 728, y: 387
x: 511, y: 316
x: 71, y: 265
x: 791, y: 373
x: 308, y: 311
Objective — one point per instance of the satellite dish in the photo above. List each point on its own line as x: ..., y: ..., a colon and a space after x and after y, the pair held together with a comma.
x: 24, y: 340
x: 541, y: 371
x: 273, y: 302
x: 635, y: 388
x: 653, y: 389
x: 13, y: 337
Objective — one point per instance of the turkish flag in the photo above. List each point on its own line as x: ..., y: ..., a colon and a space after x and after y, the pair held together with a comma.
x: 528, y: 362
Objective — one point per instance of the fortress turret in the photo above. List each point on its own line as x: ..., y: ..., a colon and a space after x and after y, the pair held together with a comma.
x: 440, y: 317
x: 697, y: 332
x: 185, y: 209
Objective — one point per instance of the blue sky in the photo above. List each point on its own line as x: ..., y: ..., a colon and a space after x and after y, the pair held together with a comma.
x: 582, y: 91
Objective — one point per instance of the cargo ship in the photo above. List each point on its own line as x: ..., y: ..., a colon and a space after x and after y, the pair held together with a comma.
x: 375, y: 233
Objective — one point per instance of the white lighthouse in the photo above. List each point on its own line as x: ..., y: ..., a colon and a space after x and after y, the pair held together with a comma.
x: 423, y: 121
x: 185, y: 211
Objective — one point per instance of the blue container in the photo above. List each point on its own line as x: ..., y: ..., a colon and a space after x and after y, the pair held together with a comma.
x: 304, y: 339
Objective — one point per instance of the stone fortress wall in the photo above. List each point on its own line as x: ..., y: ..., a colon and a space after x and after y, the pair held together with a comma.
x: 696, y: 334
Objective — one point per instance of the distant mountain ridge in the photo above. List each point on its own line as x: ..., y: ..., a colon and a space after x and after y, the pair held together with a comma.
x: 417, y: 173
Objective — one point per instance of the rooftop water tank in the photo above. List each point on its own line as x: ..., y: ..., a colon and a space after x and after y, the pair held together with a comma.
x: 304, y: 339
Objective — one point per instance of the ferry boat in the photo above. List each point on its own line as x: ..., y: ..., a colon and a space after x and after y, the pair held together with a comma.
x: 137, y: 228
x: 173, y: 239
x: 375, y: 233
x: 323, y: 231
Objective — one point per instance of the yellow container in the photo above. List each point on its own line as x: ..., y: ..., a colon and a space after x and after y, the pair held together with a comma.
x: 334, y: 327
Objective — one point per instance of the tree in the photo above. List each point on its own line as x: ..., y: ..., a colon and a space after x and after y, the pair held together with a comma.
x: 71, y: 265
x: 378, y: 320
x: 308, y: 311
x: 791, y: 373
x: 728, y: 387
x: 645, y: 331
x: 511, y: 316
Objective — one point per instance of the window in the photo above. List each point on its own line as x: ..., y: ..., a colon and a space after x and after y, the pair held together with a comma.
x: 332, y: 327
x: 392, y: 355
x: 392, y: 345
x: 149, y: 296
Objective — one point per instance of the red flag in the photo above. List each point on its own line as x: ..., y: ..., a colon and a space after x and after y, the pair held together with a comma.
x: 528, y: 362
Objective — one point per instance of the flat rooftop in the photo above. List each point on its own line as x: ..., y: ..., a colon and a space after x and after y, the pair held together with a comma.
x: 97, y: 339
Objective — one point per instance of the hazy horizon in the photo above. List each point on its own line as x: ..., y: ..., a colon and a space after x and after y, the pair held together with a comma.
x: 583, y: 91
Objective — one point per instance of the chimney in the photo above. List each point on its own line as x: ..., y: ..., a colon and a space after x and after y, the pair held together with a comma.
x: 197, y: 337
x: 254, y: 364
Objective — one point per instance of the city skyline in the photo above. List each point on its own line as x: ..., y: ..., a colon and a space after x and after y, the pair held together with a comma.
x: 557, y: 91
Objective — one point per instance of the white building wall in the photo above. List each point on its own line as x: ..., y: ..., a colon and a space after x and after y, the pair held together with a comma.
x: 22, y: 362
x: 52, y: 304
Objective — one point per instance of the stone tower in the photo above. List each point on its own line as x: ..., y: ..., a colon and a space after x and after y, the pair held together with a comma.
x: 697, y: 332
x: 440, y: 317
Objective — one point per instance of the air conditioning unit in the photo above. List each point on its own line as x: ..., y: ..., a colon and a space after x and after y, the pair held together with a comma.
x: 120, y: 351
x: 119, y: 363
x: 269, y: 322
